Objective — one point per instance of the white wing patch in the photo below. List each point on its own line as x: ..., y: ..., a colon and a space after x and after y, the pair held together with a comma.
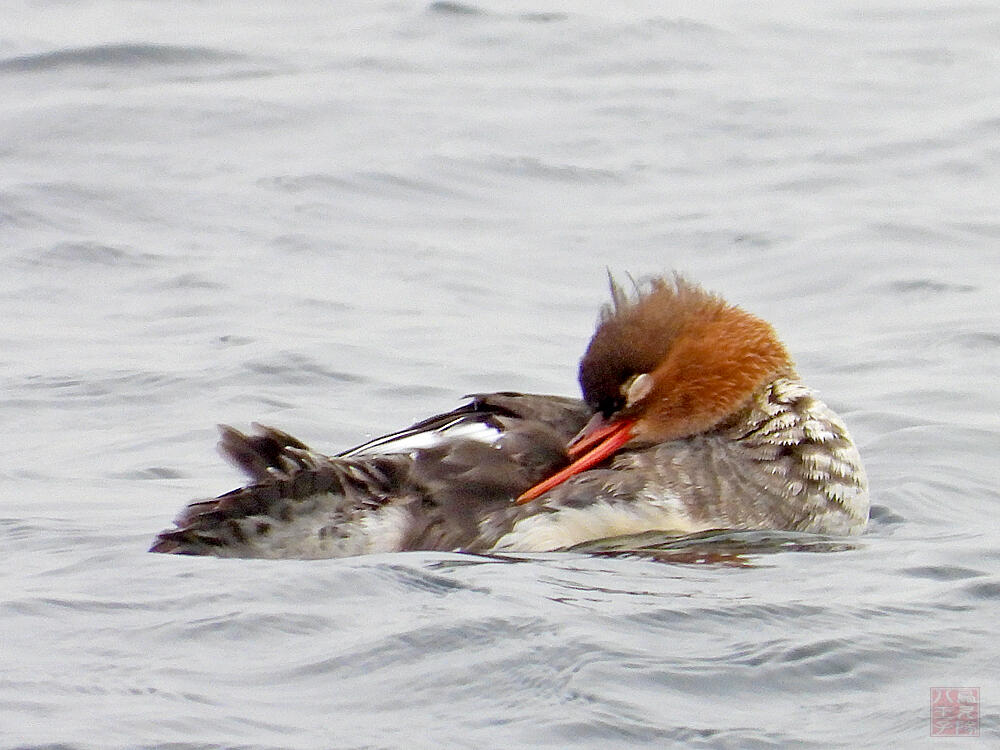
x: 408, y: 442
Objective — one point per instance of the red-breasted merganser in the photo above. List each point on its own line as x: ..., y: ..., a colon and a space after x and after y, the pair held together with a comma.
x: 693, y: 418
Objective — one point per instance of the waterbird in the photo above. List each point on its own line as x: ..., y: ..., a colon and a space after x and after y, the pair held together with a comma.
x: 692, y: 418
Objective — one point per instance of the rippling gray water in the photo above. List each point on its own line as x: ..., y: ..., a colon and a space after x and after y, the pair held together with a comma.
x: 338, y: 218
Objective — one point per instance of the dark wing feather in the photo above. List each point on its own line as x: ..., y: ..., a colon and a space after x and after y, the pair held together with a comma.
x: 445, y: 488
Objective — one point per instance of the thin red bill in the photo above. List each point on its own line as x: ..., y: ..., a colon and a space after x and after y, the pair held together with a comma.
x: 603, y: 441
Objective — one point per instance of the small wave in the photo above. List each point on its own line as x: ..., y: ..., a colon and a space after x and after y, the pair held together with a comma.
x: 928, y: 286
x: 987, y: 590
x: 529, y: 167
x: 118, y: 387
x: 720, y: 547
x: 941, y: 572
x: 84, y: 254
x: 150, y: 472
x: 451, y: 8
x: 368, y: 182
x: 114, y: 55
x: 296, y: 368
x: 446, y: 7
x: 187, y: 281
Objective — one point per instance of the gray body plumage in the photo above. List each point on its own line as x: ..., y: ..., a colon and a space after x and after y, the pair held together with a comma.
x: 784, y: 461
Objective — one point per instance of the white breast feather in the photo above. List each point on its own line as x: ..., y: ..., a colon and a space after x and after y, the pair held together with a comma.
x: 566, y: 527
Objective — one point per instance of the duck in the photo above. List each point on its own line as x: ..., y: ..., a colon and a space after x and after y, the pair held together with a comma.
x: 692, y: 419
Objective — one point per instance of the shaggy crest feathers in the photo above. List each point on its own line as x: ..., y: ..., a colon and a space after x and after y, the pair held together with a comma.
x: 706, y: 357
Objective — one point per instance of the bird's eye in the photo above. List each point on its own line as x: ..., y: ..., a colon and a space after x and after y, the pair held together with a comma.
x: 608, y: 406
x: 636, y: 388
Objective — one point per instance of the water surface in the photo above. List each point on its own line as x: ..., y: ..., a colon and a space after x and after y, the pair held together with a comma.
x: 338, y: 219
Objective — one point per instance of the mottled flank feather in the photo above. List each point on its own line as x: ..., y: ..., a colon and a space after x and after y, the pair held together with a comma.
x: 289, y: 481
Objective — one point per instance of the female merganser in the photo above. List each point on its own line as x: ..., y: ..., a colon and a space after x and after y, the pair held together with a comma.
x: 693, y: 418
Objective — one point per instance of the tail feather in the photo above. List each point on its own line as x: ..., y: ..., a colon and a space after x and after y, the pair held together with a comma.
x: 257, y: 455
x: 289, y: 482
